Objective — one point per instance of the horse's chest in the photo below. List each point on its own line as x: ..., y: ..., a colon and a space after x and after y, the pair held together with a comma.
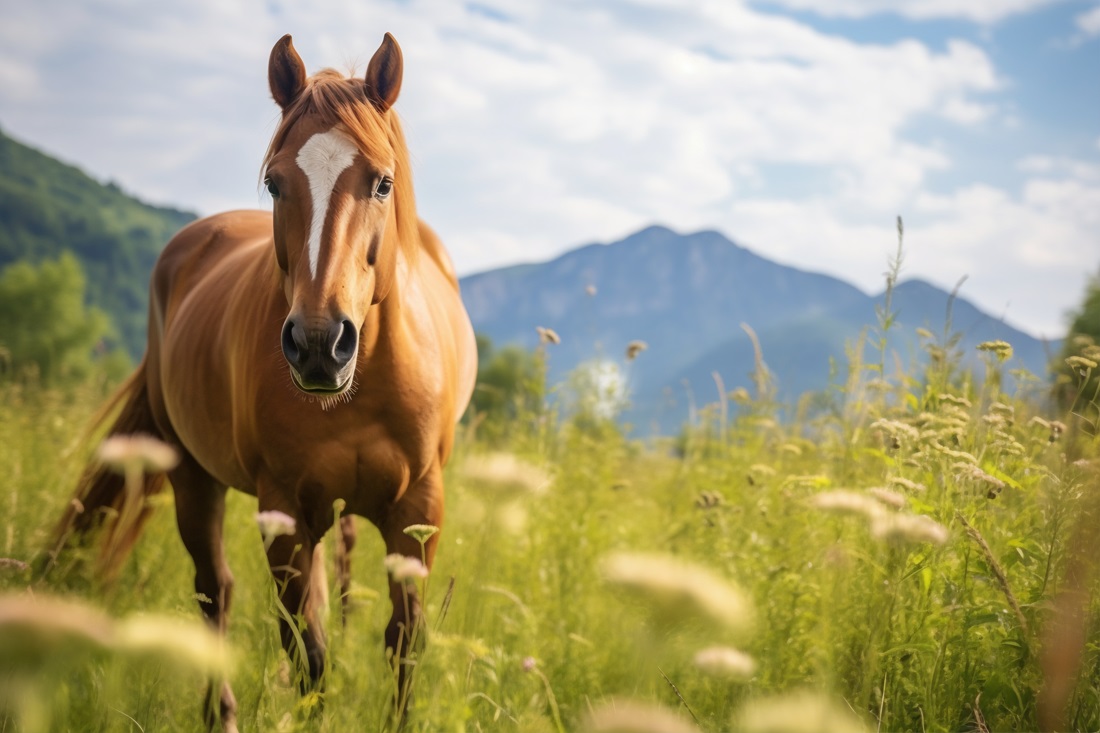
x: 366, y: 457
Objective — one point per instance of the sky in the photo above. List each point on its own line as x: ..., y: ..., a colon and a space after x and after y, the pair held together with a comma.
x: 798, y: 128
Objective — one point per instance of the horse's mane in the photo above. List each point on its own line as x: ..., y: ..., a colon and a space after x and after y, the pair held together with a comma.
x: 337, y: 99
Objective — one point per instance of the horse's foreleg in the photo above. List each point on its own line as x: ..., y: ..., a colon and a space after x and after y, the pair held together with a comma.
x: 200, y: 511
x: 422, y: 504
x: 345, y: 542
x: 291, y: 558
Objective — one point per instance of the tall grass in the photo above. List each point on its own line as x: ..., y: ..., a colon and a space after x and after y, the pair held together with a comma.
x: 863, y: 613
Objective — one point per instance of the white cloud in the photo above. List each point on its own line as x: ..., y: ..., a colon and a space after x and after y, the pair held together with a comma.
x: 979, y: 11
x: 1089, y: 22
x: 560, y: 124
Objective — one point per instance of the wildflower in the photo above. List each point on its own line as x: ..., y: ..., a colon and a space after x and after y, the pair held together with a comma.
x: 1008, y: 444
x: 529, y: 664
x: 634, y: 348
x: 402, y: 568
x: 812, y: 480
x: 740, y: 395
x: 895, y: 428
x: 846, y: 502
x: 627, y: 716
x: 905, y: 483
x: 723, y: 661
x: 793, y: 448
x: 506, y: 471
x: 175, y: 639
x: 421, y: 532
x: 1080, y: 364
x: 973, y: 473
x: 887, y: 497
x: 274, y: 524
x: 144, y: 452
x: 548, y: 335
x: 708, y: 500
x: 956, y: 454
x: 879, y: 385
x: 995, y: 421
x: 800, y: 712
x: 1001, y: 349
x: 675, y: 586
x: 38, y: 628
x: 954, y: 400
x: 1040, y: 422
x: 761, y: 469
x: 1000, y: 408
x: 953, y: 415
x: 908, y: 528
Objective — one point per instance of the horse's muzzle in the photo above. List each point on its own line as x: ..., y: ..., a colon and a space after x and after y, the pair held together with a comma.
x: 321, y: 358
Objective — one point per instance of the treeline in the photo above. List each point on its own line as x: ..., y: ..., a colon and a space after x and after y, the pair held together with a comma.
x: 48, y: 208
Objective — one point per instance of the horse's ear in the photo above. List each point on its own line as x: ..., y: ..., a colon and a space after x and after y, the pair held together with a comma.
x: 286, y: 74
x: 384, y: 74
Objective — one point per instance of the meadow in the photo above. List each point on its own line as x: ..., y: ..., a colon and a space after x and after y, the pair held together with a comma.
x: 913, y: 550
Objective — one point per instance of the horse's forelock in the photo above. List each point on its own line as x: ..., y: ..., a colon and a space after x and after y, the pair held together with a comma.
x: 337, y: 99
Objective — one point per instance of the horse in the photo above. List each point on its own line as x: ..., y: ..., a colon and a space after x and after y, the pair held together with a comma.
x: 313, y: 356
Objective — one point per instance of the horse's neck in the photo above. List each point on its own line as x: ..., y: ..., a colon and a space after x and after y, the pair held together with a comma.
x: 386, y: 321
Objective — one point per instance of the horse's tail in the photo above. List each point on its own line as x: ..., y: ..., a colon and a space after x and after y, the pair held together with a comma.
x: 102, y: 499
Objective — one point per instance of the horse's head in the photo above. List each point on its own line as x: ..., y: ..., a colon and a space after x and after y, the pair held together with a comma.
x: 337, y: 171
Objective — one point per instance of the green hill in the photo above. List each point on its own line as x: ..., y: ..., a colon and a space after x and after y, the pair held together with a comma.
x: 47, y: 207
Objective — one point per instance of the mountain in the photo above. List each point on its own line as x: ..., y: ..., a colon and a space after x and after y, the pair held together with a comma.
x: 687, y: 296
x: 47, y: 206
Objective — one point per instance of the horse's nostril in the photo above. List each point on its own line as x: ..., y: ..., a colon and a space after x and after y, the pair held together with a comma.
x: 294, y: 346
x: 346, y: 343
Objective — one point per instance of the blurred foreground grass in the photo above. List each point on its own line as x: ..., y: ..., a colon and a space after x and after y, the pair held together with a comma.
x: 890, y: 555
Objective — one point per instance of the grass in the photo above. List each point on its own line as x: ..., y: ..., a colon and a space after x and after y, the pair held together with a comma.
x: 859, y: 617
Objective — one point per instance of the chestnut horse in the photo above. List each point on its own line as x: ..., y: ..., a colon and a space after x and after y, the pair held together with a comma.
x: 314, y: 354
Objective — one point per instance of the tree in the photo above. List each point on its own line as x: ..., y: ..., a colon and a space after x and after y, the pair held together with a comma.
x: 510, y: 384
x: 1077, y: 373
x: 45, y: 326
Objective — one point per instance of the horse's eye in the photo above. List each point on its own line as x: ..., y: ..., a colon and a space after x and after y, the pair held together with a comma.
x: 384, y: 187
x: 272, y: 188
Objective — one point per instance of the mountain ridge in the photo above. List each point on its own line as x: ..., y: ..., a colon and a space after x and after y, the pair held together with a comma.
x: 686, y: 296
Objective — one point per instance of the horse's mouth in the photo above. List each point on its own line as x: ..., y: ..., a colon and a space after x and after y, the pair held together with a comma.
x: 320, y: 390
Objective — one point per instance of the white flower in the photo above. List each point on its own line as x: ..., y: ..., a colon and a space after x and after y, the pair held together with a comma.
x: 675, y: 586
x: 724, y: 661
x: 275, y: 523
x: 908, y: 528
x: 121, y: 452
x: 403, y: 568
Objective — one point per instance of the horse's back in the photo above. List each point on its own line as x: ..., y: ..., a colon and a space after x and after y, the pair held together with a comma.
x: 456, y: 320
x: 202, y: 247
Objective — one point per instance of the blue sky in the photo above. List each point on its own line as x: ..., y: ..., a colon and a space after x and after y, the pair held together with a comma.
x: 799, y: 128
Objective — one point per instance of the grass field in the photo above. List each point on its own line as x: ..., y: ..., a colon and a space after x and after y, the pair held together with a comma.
x: 789, y: 533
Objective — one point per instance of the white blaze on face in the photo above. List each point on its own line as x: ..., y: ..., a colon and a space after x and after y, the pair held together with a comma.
x: 323, y: 158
